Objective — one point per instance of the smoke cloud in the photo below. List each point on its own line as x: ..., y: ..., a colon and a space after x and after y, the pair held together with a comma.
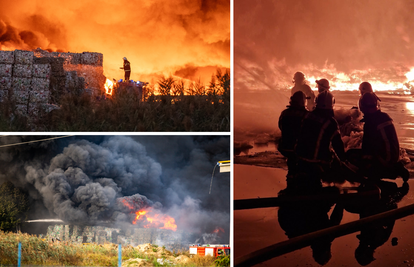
x: 95, y: 180
x: 157, y: 37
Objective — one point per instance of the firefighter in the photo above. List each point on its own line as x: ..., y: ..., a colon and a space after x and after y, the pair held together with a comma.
x: 127, y: 69
x: 323, y: 85
x: 319, y: 132
x: 380, y: 152
x: 290, y: 121
x: 365, y: 87
x: 300, y: 85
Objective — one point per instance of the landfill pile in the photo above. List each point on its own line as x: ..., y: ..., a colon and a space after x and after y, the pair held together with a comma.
x: 34, y: 80
x: 132, y: 236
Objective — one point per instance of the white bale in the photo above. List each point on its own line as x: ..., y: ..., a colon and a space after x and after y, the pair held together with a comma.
x: 23, y: 57
x: 6, y: 57
x: 22, y: 70
x: 6, y: 70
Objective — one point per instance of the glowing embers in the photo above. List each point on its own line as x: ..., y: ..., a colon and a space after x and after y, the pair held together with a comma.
x: 148, y: 218
x: 109, y: 87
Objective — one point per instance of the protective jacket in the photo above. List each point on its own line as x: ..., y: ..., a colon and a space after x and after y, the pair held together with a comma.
x: 380, y: 139
x: 319, y: 131
x: 127, y: 65
x: 290, y: 122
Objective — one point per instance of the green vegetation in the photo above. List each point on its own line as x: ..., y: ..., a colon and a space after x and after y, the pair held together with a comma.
x: 38, y: 251
x: 177, y: 107
x: 13, y: 203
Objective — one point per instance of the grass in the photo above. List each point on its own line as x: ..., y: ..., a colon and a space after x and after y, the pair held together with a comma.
x: 124, y: 112
x: 38, y: 251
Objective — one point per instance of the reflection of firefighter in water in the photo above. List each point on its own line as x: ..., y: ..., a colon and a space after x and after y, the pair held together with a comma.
x: 377, y: 233
x: 301, y: 218
x: 127, y: 69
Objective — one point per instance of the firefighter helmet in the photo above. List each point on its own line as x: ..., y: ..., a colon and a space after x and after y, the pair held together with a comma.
x: 125, y: 58
x: 365, y: 87
x: 368, y: 102
x: 323, y: 85
x: 325, y: 100
x: 298, y: 99
x: 299, y: 77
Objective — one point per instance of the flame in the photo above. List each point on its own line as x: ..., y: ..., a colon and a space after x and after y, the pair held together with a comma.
x: 79, y: 26
x: 148, y: 218
x: 218, y: 230
x: 391, y: 81
x: 109, y: 87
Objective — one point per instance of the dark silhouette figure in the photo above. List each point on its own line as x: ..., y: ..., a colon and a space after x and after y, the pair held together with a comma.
x: 127, y: 69
x: 318, y: 135
x: 305, y: 217
x: 290, y: 122
x: 377, y: 233
x: 300, y: 85
x: 380, y: 152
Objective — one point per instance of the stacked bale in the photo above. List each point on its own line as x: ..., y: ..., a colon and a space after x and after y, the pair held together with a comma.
x: 92, y: 71
x: 57, y: 76
x: 74, y: 84
x: 40, y: 93
x: 6, y: 72
x: 22, y: 80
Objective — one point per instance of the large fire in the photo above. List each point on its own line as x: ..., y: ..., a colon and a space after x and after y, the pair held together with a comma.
x: 109, y: 87
x: 190, y: 37
x: 393, y: 81
x: 350, y: 82
x: 149, y: 218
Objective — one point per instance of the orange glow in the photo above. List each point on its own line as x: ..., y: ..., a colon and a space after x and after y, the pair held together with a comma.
x: 190, y: 38
x: 218, y: 230
x: 148, y: 218
x: 395, y: 83
x: 109, y: 87
x: 127, y: 204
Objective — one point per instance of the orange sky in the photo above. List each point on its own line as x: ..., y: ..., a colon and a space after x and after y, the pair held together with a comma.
x: 157, y: 36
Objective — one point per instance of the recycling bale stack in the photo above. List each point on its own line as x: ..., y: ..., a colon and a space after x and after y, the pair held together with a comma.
x: 57, y: 76
x: 130, y: 236
x: 83, y: 73
x: 22, y: 80
x: 39, y: 96
x: 6, y: 71
x: 92, y: 71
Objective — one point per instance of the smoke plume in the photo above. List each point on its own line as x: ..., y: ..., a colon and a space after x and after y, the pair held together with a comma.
x: 95, y: 180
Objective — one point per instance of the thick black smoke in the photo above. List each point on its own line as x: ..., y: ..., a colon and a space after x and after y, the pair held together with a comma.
x: 106, y: 179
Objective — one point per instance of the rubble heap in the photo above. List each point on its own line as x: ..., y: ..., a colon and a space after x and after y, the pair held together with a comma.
x: 134, y: 236
x: 34, y: 80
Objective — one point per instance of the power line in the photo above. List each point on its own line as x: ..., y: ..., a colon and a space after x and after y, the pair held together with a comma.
x: 35, y: 141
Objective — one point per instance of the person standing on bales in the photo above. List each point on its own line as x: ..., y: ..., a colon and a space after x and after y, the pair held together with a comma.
x: 127, y: 69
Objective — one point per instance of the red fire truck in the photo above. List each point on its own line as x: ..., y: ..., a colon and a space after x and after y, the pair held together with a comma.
x: 212, y: 250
